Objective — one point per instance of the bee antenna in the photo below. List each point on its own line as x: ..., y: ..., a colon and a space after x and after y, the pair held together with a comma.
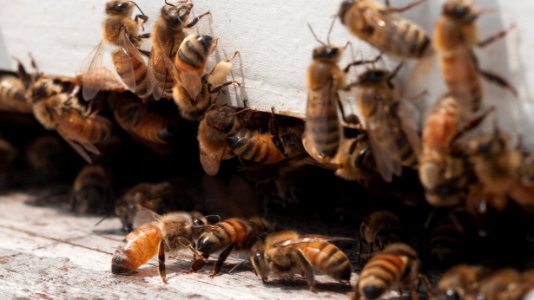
x: 315, y: 36
x: 101, y: 220
x: 394, y: 73
x: 139, y: 8
x: 330, y: 29
x: 170, y: 4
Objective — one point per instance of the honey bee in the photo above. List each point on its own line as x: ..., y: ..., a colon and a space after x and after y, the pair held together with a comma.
x: 455, y: 36
x: 227, y: 235
x: 279, y: 144
x: 496, y: 167
x: 168, y: 233
x: 92, y: 191
x: 501, y: 284
x: 380, y: 229
x: 8, y: 153
x: 460, y: 282
x: 288, y: 252
x: 219, y: 122
x: 135, y: 117
x: 442, y: 169
x: 167, y: 36
x: 194, y: 88
x: 396, y: 266
x: 47, y: 156
x: 120, y: 30
x: 13, y: 90
x: 379, y: 27
x: 56, y: 109
x: 393, y: 142
x: 147, y: 195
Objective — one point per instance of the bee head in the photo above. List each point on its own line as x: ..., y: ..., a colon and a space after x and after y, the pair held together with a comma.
x: 176, y: 15
x: 257, y: 260
x: 327, y: 53
x: 119, y: 8
x: 126, y: 212
x: 43, y: 88
x: 222, y: 118
x: 460, y: 10
x: 373, y: 77
x: 343, y: 9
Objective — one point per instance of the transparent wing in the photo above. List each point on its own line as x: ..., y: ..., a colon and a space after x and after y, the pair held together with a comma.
x: 144, y: 215
x: 162, y: 68
x: 211, y: 162
x: 383, y: 144
x: 92, y: 71
x: 311, y: 238
x: 408, y: 116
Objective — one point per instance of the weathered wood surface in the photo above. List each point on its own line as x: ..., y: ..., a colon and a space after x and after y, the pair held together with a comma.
x: 47, y: 252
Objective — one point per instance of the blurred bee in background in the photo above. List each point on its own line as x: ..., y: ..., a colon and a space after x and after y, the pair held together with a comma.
x: 501, y: 284
x: 13, y: 90
x: 496, y: 168
x: 56, y: 108
x: 455, y: 36
x: 287, y: 253
x: 459, y: 282
x: 8, y: 153
x: 167, y: 36
x: 138, y: 120
x: 281, y: 143
x: 394, y: 140
x: 194, y: 88
x: 120, y: 30
x: 47, y: 155
x: 227, y: 235
x: 442, y: 169
x: 380, y: 229
x: 219, y: 122
x: 92, y: 192
x: 168, y: 233
x: 397, y: 265
x: 148, y: 195
x: 382, y: 29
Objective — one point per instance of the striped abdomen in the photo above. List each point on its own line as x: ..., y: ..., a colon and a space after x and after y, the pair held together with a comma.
x: 88, y: 129
x: 193, y: 52
x: 398, y: 37
x: 257, y: 147
x: 133, y: 72
x: 230, y: 231
x: 12, y: 95
x: 135, y: 118
x: 139, y: 246
x: 447, y: 242
x: 327, y: 258
x: 461, y: 76
x: 407, y: 154
x: 322, y: 129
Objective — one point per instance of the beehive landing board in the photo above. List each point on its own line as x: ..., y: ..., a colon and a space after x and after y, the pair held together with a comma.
x: 47, y: 252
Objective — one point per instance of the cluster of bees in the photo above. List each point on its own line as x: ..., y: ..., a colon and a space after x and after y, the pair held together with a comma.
x: 466, y: 180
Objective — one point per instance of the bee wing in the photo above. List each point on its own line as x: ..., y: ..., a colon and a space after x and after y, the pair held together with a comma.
x: 407, y: 115
x: 144, y: 215
x: 211, y: 162
x: 160, y: 62
x: 92, y: 72
x: 311, y: 238
x: 191, y: 81
x: 383, y: 144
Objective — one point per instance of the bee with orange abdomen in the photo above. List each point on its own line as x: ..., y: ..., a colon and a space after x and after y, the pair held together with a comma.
x: 168, y: 233
x: 13, y: 91
x: 380, y: 229
x: 120, y: 30
x: 382, y: 29
x: 288, y: 252
x: 455, y: 36
x: 92, y: 192
x: 442, y: 168
x: 397, y: 265
x: 56, y: 109
x: 136, y: 118
x: 496, y: 166
x: 219, y: 122
x: 147, y: 195
x: 194, y: 88
x: 393, y: 143
x: 279, y: 144
x: 227, y: 235
x: 167, y: 36
x: 459, y: 282
x: 501, y: 284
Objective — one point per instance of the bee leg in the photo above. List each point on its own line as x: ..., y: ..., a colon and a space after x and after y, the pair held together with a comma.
x: 217, y: 89
x: 161, y: 261
x: 427, y: 286
x: 495, y: 36
x: 196, y: 19
x: 222, y: 257
x: 306, y: 266
x: 362, y: 62
x: 275, y: 136
x: 144, y: 36
x: 399, y: 9
x: 145, y: 52
x: 198, y: 263
x: 494, y: 78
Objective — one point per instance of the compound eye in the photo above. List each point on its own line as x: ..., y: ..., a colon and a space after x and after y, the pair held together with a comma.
x: 198, y: 222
